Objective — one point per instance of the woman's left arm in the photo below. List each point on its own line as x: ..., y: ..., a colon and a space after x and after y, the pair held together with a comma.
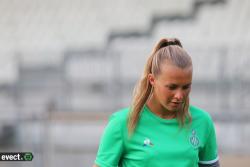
x: 208, y: 155
x: 215, y: 164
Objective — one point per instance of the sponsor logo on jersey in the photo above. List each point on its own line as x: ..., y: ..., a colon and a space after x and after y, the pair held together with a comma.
x: 193, y: 139
x: 147, y: 142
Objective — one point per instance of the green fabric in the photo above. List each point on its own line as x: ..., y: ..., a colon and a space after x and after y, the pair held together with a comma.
x: 158, y: 142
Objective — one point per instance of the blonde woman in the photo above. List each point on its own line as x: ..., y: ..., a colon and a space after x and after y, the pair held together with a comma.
x: 161, y: 128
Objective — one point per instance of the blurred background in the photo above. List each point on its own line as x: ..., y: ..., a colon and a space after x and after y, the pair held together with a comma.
x: 66, y: 65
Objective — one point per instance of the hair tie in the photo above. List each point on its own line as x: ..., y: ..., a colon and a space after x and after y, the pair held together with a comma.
x: 168, y: 43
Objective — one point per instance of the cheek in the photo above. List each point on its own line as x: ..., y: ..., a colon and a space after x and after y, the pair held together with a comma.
x: 165, y: 94
x: 159, y: 92
x: 187, y: 92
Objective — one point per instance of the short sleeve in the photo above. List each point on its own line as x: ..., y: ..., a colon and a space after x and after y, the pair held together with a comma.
x: 111, y: 144
x: 209, y: 153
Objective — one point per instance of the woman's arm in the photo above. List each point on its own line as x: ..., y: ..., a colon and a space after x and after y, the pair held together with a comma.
x: 111, y: 145
x: 95, y: 165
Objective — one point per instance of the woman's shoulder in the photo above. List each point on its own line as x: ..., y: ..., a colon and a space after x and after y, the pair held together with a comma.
x: 120, y: 115
x: 199, y: 113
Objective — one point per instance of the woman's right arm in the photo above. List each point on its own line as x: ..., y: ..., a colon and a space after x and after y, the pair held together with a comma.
x: 111, y: 145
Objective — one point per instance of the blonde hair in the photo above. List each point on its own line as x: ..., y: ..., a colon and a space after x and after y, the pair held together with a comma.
x: 166, y: 49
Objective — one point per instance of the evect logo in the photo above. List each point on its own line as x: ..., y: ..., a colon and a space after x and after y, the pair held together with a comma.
x: 16, y: 156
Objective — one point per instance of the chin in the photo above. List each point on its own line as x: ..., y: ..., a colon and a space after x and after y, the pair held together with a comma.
x: 173, y: 109
x: 169, y: 108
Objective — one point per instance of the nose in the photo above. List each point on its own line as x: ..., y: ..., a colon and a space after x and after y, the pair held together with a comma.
x: 179, y: 95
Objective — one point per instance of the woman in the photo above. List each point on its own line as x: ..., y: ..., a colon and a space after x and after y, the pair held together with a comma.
x: 161, y: 129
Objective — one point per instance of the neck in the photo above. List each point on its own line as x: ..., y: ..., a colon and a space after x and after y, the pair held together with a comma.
x: 160, y: 110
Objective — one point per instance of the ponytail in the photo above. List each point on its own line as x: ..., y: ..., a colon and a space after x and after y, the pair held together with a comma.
x: 141, y: 94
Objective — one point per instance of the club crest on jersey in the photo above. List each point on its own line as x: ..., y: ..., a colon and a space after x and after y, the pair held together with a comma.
x: 147, y: 142
x: 194, y: 140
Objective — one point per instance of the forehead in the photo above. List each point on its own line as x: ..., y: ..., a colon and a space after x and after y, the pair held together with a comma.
x: 175, y: 75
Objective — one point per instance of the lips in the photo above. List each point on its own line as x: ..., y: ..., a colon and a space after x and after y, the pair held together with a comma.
x: 176, y: 103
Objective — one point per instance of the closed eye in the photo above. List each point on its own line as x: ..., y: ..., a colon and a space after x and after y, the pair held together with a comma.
x: 172, y: 87
x: 186, y: 86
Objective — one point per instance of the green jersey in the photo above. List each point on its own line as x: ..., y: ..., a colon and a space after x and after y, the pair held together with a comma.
x: 158, y: 142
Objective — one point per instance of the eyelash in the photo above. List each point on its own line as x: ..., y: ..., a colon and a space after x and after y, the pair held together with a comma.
x: 174, y: 87
x: 186, y: 87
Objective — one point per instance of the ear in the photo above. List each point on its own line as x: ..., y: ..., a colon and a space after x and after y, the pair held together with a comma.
x: 151, y: 79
